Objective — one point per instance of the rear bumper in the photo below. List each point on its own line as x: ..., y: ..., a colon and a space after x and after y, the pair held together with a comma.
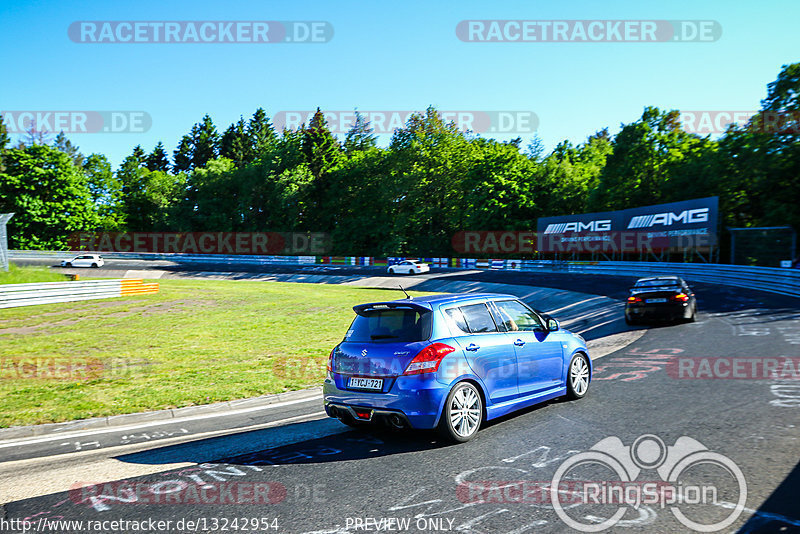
x: 669, y: 310
x: 416, y: 399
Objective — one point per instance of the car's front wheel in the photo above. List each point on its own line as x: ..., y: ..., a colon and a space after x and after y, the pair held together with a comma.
x: 578, y: 378
x: 462, y: 414
x: 94, y: 265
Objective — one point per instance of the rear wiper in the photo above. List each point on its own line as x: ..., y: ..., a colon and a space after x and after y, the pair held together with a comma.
x: 383, y: 336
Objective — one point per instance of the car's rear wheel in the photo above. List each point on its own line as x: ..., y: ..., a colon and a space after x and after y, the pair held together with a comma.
x: 68, y: 264
x: 391, y: 270
x: 462, y: 414
x: 578, y: 377
x: 692, y: 318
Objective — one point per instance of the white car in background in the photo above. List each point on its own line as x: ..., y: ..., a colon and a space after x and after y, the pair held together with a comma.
x: 409, y: 267
x: 84, y: 260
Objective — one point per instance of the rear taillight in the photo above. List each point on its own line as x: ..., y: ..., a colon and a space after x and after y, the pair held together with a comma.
x: 683, y: 297
x: 362, y: 413
x: 330, y: 360
x: 634, y: 299
x: 428, y: 359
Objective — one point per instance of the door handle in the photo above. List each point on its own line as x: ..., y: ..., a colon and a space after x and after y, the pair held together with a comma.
x: 472, y: 346
x: 519, y: 343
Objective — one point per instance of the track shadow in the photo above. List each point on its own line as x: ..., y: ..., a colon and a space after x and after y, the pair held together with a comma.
x: 780, y: 512
x: 313, y: 442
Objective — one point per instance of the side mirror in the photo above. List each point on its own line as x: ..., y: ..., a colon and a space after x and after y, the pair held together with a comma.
x: 552, y: 324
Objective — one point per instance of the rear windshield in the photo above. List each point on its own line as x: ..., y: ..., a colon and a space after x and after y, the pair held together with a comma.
x: 657, y: 283
x: 390, y: 326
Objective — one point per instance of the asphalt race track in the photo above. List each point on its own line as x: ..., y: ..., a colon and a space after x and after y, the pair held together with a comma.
x: 721, y: 389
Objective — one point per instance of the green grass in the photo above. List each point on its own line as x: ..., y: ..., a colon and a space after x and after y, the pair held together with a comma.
x: 25, y: 275
x: 194, y: 342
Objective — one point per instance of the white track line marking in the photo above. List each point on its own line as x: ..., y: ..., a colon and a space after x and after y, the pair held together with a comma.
x: 111, y: 429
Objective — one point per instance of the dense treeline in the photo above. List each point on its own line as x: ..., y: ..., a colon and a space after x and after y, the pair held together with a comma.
x: 408, y: 198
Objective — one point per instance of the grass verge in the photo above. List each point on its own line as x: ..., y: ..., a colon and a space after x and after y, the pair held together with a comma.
x: 27, y: 275
x: 194, y: 342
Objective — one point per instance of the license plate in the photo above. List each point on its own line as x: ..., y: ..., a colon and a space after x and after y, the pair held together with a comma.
x: 653, y: 301
x: 365, y: 383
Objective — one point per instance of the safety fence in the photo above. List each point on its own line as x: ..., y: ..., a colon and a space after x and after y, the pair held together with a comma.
x: 16, y: 295
x: 777, y: 280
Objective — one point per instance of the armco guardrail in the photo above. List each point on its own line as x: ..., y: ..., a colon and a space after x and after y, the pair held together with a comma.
x: 16, y: 295
x: 783, y: 281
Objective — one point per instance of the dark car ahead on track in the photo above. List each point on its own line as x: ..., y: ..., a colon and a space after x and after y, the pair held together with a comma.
x: 451, y: 362
x: 660, y: 298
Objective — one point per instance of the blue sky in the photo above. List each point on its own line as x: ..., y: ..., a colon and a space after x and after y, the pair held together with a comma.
x: 388, y: 56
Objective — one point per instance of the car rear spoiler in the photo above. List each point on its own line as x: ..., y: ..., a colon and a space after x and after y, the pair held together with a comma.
x: 361, y: 309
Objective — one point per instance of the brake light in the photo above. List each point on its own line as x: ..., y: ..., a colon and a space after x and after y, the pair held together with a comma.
x: 683, y: 297
x: 330, y: 360
x: 428, y: 359
x: 634, y: 299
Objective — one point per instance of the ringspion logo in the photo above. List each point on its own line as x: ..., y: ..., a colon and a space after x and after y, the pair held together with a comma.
x: 722, y: 484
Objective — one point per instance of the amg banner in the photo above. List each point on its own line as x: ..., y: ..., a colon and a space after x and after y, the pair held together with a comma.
x: 677, y: 226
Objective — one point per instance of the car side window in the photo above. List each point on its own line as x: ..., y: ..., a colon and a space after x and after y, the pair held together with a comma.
x: 478, y: 318
x: 458, y: 318
x: 517, y: 317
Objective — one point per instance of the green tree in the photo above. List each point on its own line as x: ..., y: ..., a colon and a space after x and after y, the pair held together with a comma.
x: 321, y: 152
x: 235, y: 144
x: 261, y: 135
x: 105, y: 191
x: 360, y: 136
x: 182, y: 156
x: 205, y: 142
x: 4, y: 140
x: 65, y: 145
x: 49, y: 196
x: 644, y: 155
x: 157, y: 160
x: 430, y: 158
x: 496, y: 192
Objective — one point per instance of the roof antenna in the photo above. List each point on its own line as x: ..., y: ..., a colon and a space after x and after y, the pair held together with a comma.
x: 409, y: 297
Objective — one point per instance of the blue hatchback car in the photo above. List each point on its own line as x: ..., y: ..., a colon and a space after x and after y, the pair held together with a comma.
x: 451, y: 362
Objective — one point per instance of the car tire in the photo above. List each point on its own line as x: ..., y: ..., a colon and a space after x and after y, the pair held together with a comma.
x: 94, y: 265
x: 693, y: 317
x: 629, y: 321
x: 391, y: 271
x: 68, y: 264
x: 459, y: 423
x: 578, y: 377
